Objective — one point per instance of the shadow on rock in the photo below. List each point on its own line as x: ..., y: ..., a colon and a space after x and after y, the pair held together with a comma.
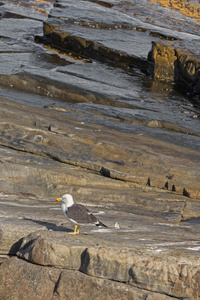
x: 85, y: 261
x: 49, y: 226
x: 15, y: 247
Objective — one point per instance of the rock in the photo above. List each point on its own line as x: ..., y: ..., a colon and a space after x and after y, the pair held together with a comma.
x: 12, y: 230
x: 83, y: 128
x: 64, y: 29
x: 36, y: 282
x: 85, y: 147
x: 30, y: 281
x: 165, y: 274
x: 188, y: 70
x: 187, y: 8
x: 79, y: 286
x: 191, y: 209
x: 163, y: 59
x: 41, y: 250
x: 172, y: 63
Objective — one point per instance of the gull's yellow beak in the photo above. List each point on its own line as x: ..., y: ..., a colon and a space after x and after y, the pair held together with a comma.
x: 58, y: 199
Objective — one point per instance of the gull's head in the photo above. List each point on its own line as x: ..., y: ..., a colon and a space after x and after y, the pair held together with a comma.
x: 67, y: 199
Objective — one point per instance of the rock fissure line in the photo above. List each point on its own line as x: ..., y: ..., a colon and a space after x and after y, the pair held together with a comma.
x: 93, y: 276
x: 97, y: 169
x: 57, y: 284
x: 157, y: 293
x: 183, y: 210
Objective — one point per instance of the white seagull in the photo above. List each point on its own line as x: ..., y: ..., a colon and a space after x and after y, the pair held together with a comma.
x: 77, y: 213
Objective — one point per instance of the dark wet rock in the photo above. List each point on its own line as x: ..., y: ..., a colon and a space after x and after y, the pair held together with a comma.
x: 101, y: 36
x: 188, y: 70
x: 96, y: 49
x: 170, y: 126
x: 35, y: 10
x: 169, y: 62
x: 101, y: 33
x: 38, y: 71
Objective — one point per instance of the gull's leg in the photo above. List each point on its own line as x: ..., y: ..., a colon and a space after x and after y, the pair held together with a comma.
x: 78, y: 226
x: 76, y: 229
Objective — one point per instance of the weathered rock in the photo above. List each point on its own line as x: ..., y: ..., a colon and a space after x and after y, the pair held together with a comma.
x: 84, y: 146
x: 188, y: 70
x: 96, y: 49
x: 188, y: 8
x: 12, y: 230
x: 163, y: 61
x: 140, y: 167
x: 174, y: 276
x: 164, y: 275
x: 171, y: 63
x: 30, y: 281
x: 65, y: 30
x: 36, y: 282
x: 57, y: 253
x: 82, y: 287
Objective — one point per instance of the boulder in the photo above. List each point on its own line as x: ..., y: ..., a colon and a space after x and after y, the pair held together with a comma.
x: 163, y: 61
x: 176, y: 276
x: 36, y: 282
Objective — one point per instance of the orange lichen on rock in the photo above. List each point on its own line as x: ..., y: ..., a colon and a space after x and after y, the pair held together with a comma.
x: 188, y: 8
x: 41, y: 1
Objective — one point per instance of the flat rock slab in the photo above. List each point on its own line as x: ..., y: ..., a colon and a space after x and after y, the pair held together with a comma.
x: 35, y: 10
x: 137, y: 227
x: 12, y: 230
x: 152, y: 253
x: 104, y: 32
x: 137, y: 159
x: 29, y: 67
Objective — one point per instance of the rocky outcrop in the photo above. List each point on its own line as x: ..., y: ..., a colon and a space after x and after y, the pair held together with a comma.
x: 188, y: 70
x: 81, y: 145
x: 52, y: 255
x: 188, y: 8
x: 145, y: 255
x: 163, y: 61
x: 171, y: 63
x: 67, y: 32
x: 79, y: 124
x: 50, y: 283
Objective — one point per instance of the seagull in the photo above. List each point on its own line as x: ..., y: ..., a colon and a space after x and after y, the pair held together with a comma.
x: 77, y: 213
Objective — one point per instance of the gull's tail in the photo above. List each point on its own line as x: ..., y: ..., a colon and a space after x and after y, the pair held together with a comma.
x: 100, y: 224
